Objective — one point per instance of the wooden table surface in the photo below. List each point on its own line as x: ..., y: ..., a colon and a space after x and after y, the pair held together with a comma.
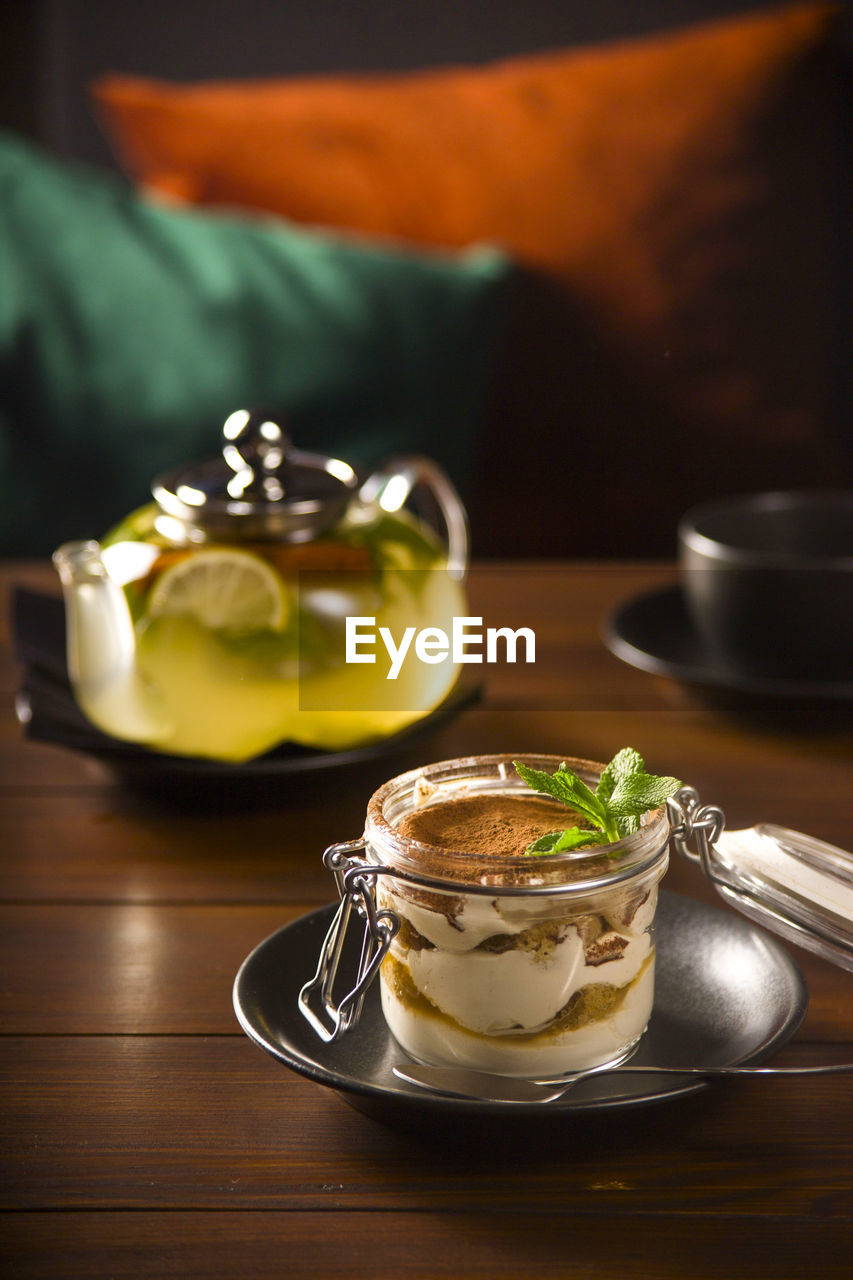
x: 144, y: 1135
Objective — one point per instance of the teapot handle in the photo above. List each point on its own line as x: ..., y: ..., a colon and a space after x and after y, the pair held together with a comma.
x: 394, y: 482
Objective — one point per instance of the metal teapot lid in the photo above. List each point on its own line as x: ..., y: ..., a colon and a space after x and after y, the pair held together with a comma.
x: 261, y: 486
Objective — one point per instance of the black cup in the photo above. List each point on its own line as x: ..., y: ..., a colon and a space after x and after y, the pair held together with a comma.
x: 768, y: 581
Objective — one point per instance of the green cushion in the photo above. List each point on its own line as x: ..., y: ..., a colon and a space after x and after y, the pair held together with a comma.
x: 129, y: 331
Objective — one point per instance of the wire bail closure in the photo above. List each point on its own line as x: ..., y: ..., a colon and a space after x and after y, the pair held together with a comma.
x: 356, y: 881
x: 688, y: 820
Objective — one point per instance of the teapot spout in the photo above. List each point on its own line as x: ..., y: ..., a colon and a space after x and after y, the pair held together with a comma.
x: 101, y: 649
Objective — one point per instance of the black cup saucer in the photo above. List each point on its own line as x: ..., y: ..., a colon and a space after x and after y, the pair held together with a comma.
x: 654, y: 633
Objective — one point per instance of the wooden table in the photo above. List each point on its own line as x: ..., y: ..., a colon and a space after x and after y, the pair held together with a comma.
x: 144, y: 1135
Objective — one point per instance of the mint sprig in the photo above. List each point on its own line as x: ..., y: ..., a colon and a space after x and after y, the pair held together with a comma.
x: 564, y: 841
x: 624, y: 793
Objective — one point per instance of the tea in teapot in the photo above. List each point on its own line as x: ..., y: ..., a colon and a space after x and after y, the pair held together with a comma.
x: 211, y: 621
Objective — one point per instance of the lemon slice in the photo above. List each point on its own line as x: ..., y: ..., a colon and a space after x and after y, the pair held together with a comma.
x: 223, y: 589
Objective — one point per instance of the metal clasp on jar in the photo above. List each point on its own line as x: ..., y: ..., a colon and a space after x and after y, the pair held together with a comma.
x: 690, y: 820
x: 356, y: 881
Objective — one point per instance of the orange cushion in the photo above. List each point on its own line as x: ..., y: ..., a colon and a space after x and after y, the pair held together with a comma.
x: 585, y: 163
x: 637, y: 175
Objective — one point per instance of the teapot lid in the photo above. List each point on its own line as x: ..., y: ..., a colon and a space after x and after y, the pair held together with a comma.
x: 260, y: 486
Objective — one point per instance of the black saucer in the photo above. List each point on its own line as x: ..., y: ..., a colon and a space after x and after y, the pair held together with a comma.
x: 654, y: 633
x: 725, y: 993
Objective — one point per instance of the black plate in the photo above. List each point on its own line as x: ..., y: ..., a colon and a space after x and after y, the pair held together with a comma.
x: 654, y: 632
x: 48, y: 713
x: 725, y: 993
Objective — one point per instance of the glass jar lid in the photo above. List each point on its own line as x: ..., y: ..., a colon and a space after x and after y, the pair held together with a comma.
x: 794, y: 884
x: 789, y: 882
x: 260, y: 486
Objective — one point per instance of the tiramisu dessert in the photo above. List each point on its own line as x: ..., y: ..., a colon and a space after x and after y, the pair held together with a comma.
x: 541, y: 961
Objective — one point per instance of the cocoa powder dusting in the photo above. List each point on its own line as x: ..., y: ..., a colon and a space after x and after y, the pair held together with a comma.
x: 487, y: 825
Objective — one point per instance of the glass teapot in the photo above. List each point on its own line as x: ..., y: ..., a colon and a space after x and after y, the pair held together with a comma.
x: 211, y: 621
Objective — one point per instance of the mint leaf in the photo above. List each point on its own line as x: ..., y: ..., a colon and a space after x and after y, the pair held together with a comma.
x: 638, y: 793
x: 565, y: 841
x: 565, y: 786
x: 624, y: 764
x: 625, y: 792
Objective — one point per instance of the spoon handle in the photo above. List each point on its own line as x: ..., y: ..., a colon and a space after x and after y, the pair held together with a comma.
x: 825, y: 1069
x: 482, y: 1085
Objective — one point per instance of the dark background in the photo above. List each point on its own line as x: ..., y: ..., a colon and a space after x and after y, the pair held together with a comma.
x: 52, y: 49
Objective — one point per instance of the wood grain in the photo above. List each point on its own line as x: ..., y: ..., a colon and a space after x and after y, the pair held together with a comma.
x: 336, y: 1245
x: 212, y: 1122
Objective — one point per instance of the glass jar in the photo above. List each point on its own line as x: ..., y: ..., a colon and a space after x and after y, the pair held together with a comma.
x: 516, y: 964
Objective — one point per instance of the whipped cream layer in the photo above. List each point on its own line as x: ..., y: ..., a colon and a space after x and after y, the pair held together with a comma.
x: 443, y: 1041
x: 518, y: 985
